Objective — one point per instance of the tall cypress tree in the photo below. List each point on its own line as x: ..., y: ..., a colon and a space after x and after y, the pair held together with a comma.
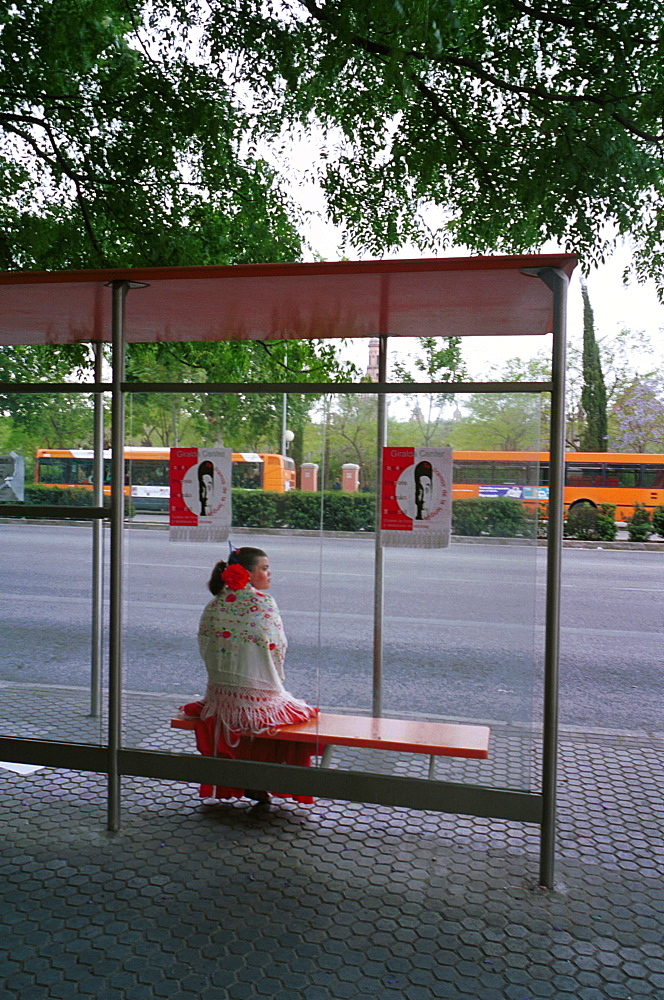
x: 593, y: 393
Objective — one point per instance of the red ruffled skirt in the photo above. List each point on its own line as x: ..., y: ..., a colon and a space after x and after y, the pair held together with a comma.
x: 211, y: 742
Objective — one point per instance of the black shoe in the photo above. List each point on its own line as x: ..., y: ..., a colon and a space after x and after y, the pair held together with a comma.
x: 257, y: 796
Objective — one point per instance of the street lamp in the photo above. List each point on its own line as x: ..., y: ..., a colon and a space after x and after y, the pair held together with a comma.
x: 288, y: 436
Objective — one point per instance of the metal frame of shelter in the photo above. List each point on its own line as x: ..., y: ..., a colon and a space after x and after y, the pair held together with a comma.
x: 442, y: 297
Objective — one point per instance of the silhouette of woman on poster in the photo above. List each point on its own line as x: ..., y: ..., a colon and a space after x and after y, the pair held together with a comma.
x: 205, y: 486
x: 423, y: 490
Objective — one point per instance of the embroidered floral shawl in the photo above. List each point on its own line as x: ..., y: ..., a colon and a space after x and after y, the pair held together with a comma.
x: 241, y: 639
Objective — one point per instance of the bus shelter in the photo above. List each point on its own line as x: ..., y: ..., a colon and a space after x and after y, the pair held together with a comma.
x: 388, y: 300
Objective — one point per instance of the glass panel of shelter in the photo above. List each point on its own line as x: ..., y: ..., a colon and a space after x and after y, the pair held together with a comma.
x: 52, y: 626
x: 165, y: 581
x: 458, y: 635
x: 458, y: 626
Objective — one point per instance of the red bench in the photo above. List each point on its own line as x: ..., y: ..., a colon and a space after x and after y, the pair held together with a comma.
x: 436, y: 739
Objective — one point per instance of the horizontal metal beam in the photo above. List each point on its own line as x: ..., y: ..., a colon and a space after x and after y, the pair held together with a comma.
x: 339, y: 388
x: 303, y: 388
x: 72, y: 756
x: 348, y: 786
x: 33, y: 512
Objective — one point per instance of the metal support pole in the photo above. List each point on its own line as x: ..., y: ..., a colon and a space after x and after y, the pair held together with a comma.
x: 284, y: 417
x: 379, y: 565
x: 117, y: 528
x: 284, y: 420
x: 558, y: 282
x: 97, y: 543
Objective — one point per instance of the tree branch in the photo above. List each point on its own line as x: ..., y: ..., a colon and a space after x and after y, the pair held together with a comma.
x: 383, y: 50
x: 456, y: 129
x: 43, y: 98
x: 548, y: 17
x: 541, y: 93
x: 12, y: 122
x: 268, y: 348
x: 58, y: 159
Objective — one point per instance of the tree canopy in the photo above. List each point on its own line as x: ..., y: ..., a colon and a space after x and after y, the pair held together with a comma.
x: 117, y: 147
x: 246, y: 422
x: 120, y: 147
x: 500, y: 421
x: 135, y: 132
x: 130, y: 131
x: 522, y: 120
x: 638, y: 417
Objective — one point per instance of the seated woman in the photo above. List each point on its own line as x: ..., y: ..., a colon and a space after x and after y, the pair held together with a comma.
x: 241, y: 639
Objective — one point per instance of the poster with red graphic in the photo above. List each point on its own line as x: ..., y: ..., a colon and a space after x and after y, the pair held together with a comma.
x: 416, y: 507
x: 200, y: 488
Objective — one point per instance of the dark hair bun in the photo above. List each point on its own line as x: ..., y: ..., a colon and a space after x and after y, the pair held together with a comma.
x: 215, y: 583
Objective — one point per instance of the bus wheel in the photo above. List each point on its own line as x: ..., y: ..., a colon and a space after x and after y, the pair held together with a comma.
x: 580, y: 504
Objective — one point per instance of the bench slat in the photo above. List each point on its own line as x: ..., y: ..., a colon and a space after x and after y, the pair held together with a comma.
x: 408, y: 736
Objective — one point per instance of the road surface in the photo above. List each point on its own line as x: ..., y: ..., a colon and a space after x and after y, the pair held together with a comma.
x: 463, y: 627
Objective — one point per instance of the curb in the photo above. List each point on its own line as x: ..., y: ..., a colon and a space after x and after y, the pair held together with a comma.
x: 568, y: 543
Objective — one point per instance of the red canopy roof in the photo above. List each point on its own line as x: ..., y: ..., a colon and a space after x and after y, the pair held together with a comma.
x: 470, y: 296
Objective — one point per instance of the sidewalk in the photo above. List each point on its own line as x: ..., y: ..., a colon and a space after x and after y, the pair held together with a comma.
x: 335, y: 900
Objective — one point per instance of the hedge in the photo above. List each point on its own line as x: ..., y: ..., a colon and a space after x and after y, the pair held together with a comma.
x: 639, y: 525
x: 500, y: 517
x: 658, y: 520
x: 589, y: 523
x: 295, y: 509
x: 56, y: 496
x: 349, y: 511
x: 256, y: 508
x: 497, y: 517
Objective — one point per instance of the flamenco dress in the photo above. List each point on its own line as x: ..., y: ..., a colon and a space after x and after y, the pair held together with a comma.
x: 243, y: 645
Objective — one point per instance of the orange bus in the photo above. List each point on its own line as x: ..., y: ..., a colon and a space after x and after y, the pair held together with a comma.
x: 146, y: 472
x: 590, y: 478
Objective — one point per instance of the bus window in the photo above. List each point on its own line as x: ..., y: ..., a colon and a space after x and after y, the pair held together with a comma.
x: 146, y: 472
x: 248, y: 475
x: 65, y: 471
x: 290, y: 474
x: 522, y: 473
x: 55, y: 470
x: 473, y: 472
x: 507, y: 473
x: 583, y: 475
x: 653, y: 477
x: 83, y: 471
x: 623, y: 475
x: 496, y: 473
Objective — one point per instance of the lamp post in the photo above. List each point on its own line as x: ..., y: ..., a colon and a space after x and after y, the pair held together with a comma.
x: 286, y: 435
x: 287, y: 438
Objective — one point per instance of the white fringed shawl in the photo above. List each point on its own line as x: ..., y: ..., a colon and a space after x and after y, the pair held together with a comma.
x: 242, y: 641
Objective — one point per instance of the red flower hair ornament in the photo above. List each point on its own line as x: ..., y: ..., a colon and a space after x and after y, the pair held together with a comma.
x: 235, y: 577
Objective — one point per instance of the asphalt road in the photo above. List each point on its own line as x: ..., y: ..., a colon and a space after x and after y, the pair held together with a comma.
x: 463, y: 627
